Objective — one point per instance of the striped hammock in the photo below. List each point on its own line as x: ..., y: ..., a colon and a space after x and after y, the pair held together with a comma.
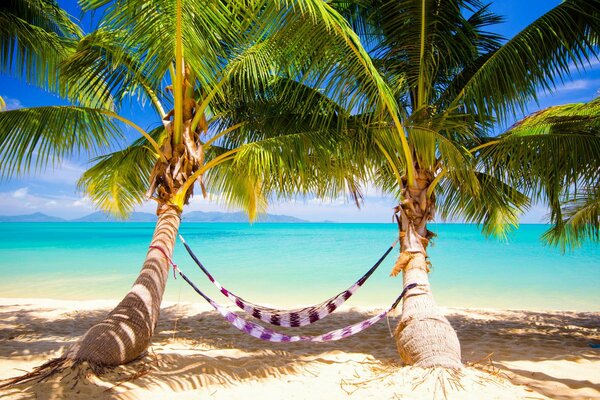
x: 290, y: 318
x: 269, y: 335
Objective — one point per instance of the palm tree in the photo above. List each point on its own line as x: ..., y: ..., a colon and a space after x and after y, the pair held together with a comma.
x: 243, y: 123
x: 453, y: 82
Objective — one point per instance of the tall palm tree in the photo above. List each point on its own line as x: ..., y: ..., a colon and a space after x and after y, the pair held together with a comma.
x: 453, y: 82
x: 242, y: 123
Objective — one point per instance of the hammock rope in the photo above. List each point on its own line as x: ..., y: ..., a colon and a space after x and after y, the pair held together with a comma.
x: 290, y: 318
x: 260, y: 332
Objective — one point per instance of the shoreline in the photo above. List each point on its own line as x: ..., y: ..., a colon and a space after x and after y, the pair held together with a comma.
x: 508, y: 354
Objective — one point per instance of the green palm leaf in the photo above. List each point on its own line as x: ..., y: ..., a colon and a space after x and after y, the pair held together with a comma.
x: 554, y: 155
x: 101, y: 68
x: 117, y: 182
x: 32, y: 139
x: 496, y: 207
x: 550, y: 151
x: 580, y: 220
x: 506, y: 79
x: 35, y: 36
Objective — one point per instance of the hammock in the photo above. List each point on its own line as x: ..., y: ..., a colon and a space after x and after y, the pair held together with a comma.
x: 290, y: 318
x: 269, y: 335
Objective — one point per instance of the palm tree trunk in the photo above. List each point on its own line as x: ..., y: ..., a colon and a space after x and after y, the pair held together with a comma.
x: 126, y: 332
x: 424, y: 336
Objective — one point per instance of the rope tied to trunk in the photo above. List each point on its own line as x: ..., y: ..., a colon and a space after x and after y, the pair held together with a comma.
x: 290, y: 318
x: 175, y: 268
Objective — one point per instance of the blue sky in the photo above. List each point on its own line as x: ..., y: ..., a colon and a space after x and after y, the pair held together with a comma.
x: 54, y: 191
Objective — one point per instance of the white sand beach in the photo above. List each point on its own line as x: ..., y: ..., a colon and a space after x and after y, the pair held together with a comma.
x: 196, y: 354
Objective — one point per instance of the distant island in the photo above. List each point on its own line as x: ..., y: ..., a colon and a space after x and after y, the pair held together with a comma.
x: 36, y: 217
x: 194, y: 216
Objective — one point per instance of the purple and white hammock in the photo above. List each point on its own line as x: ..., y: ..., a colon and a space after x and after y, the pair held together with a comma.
x: 269, y: 335
x: 290, y: 318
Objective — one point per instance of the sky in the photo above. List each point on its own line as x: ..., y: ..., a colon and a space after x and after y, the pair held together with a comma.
x: 54, y: 191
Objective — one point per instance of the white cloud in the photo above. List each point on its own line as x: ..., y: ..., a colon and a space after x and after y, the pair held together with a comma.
x: 578, y: 84
x: 371, y: 190
x: 20, y: 193
x: 82, y: 202
x: 369, y: 212
x: 569, y: 87
x: 66, y: 174
x: 212, y: 202
x: 22, y: 201
x: 318, y: 201
x: 374, y: 209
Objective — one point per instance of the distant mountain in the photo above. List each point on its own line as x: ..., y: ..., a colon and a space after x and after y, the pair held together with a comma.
x: 277, y: 218
x: 100, y: 216
x: 36, y: 217
x: 215, y: 216
x: 194, y: 216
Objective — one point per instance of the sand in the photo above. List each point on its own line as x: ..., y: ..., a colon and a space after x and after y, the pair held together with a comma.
x: 195, y: 354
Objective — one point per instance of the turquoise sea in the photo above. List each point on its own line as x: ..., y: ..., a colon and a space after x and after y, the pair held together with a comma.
x: 297, y: 264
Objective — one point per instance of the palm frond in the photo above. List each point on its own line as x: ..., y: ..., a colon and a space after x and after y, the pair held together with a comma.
x: 285, y: 150
x: 45, y: 14
x: 237, y: 189
x: 148, y: 28
x: 328, y: 55
x: 117, y: 182
x: 35, y: 36
x: 32, y: 139
x: 539, y: 57
x: 496, y: 207
x: 101, y: 68
x: 295, y: 163
x: 580, y: 220
x: 554, y: 156
x: 554, y: 150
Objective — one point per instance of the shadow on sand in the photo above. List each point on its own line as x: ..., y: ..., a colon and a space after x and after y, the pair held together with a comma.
x: 530, y: 337
x: 192, y: 350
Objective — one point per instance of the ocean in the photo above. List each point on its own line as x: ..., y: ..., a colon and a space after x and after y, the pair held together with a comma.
x: 290, y: 264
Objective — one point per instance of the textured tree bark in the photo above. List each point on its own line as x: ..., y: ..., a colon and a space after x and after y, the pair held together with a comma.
x: 126, y: 332
x: 424, y: 336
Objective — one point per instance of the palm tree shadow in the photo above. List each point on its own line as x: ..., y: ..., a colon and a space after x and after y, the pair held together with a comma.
x: 210, y: 330
x: 188, y: 372
x: 192, y: 350
x: 213, y: 350
x: 26, y: 331
x: 506, y: 341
